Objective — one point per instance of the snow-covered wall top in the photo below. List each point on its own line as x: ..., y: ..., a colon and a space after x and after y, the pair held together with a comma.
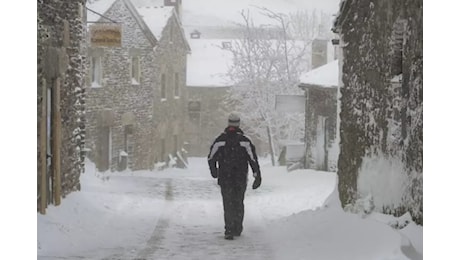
x: 139, y: 3
x: 325, y: 76
x: 208, y: 63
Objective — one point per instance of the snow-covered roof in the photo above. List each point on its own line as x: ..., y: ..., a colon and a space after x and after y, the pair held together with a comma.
x: 140, y: 3
x: 208, y: 63
x: 153, y: 12
x: 324, y: 76
x: 156, y: 17
x: 100, y: 6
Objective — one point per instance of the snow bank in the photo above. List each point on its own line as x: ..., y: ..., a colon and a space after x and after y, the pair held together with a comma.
x: 330, y: 233
x: 383, y: 179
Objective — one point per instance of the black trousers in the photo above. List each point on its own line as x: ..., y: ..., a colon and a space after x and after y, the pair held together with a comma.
x: 233, y: 200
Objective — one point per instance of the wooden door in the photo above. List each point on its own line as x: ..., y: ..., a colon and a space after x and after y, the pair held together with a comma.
x: 104, y: 148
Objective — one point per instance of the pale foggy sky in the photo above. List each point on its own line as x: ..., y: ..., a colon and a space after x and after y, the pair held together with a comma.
x: 217, y: 12
x: 219, y: 6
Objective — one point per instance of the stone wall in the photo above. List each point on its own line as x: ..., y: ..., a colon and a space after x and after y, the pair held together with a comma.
x: 320, y: 128
x: 170, y: 113
x: 117, y: 96
x: 381, y: 122
x: 136, y: 109
x: 60, y: 57
x: 207, y: 118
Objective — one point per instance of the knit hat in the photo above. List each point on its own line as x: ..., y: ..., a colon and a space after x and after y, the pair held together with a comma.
x: 233, y: 119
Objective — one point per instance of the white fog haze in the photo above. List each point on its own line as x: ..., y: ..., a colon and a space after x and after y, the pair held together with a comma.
x: 221, y: 12
x: 136, y: 97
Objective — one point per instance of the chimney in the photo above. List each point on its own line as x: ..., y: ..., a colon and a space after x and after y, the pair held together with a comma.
x: 177, y: 5
x: 318, y: 52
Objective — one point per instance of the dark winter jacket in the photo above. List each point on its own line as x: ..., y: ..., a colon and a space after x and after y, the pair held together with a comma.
x: 232, y: 150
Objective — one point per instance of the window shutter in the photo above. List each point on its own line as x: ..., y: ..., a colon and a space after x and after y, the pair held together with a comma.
x: 399, y: 31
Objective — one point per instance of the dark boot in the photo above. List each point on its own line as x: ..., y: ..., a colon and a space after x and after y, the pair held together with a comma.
x: 229, y: 236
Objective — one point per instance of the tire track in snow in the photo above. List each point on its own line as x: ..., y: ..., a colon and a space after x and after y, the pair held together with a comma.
x: 195, y: 230
x: 157, y: 235
x: 191, y: 228
x: 153, y: 244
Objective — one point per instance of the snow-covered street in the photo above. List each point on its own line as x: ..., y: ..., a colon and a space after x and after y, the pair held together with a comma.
x: 178, y: 214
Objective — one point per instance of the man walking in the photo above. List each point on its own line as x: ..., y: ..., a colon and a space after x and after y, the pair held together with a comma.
x: 232, y: 151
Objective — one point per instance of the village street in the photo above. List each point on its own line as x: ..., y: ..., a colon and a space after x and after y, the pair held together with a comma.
x: 173, y: 214
x: 191, y: 223
x: 178, y: 214
x: 131, y: 93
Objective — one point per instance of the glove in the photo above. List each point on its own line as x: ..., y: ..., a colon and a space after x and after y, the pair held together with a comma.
x: 215, y: 173
x: 256, y: 183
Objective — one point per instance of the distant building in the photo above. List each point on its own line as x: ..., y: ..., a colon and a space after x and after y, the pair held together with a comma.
x: 319, y: 52
x: 381, y: 118
x: 320, y: 86
x: 213, y: 32
x: 195, y: 34
x: 136, y: 90
x: 322, y: 51
x: 207, y: 86
x: 60, y: 100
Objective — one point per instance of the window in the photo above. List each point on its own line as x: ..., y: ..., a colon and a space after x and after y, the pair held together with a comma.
x: 96, y: 71
x: 194, y: 112
x: 135, y: 70
x: 128, y: 140
x: 176, y: 85
x: 104, y: 148
x: 163, y: 150
x: 194, y: 106
x: 175, y: 144
x: 397, y: 46
x: 126, y: 153
x: 226, y: 45
x: 195, y: 34
x: 163, y: 86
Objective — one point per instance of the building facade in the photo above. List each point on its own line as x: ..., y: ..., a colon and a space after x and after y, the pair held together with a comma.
x: 207, y: 87
x: 321, y: 143
x: 136, y: 90
x: 381, y: 129
x: 60, y: 100
x: 207, y: 118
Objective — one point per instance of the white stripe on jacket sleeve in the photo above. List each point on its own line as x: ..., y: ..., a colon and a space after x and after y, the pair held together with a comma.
x: 247, y: 145
x: 214, y: 149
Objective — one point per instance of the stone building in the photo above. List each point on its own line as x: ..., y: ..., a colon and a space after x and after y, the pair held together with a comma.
x: 319, y: 51
x: 381, y: 129
x: 60, y: 100
x: 136, y: 89
x: 207, y: 86
x: 320, y: 86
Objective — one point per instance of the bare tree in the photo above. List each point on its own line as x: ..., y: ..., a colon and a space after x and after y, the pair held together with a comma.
x: 266, y: 63
x: 306, y: 25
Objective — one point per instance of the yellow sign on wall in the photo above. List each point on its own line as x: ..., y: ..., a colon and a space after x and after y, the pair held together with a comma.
x: 108, y: 35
